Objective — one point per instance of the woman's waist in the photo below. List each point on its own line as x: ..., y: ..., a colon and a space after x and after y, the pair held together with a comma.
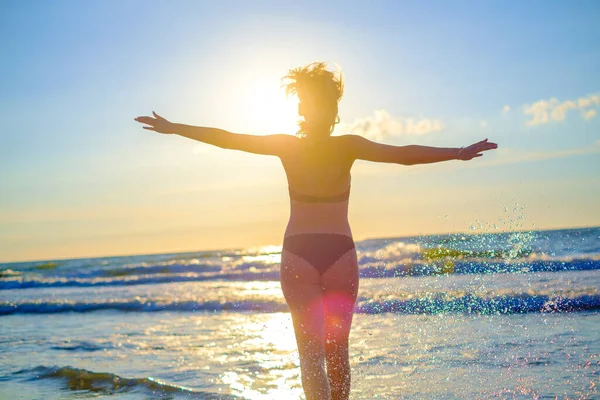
x: 296, y: 227
x: 318, y: 219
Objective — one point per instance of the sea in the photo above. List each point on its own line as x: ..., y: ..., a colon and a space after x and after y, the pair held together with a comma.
x: 477, y: 315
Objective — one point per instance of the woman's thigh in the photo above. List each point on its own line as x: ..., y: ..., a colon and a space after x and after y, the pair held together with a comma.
x: 342, y: 276
x: 318, y: 302
x: 300, y: 281
x: 340, y: 289
x: 302, y: 289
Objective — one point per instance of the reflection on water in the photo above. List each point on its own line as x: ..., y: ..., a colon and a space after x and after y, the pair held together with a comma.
x: 249, y: 355
x: 271, y: 365
x: 266, y: 255
x: 252, y: 355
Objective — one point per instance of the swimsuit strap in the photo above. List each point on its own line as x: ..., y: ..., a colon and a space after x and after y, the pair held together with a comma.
x: 307, y: 198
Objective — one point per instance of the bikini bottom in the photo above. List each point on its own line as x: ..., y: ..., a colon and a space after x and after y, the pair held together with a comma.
x: 321, y: 250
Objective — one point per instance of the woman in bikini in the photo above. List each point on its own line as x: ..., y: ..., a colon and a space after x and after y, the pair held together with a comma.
x: 319, y: 268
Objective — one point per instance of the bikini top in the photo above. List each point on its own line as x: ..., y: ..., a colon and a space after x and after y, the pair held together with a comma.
x: 307, y: 198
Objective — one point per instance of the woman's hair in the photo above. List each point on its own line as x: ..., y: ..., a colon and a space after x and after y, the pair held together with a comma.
x: 319, y: 92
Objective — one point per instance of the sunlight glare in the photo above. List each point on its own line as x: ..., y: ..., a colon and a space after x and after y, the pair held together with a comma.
x: 272, y: 343
x: 265, y: 254
x: 271, y: 111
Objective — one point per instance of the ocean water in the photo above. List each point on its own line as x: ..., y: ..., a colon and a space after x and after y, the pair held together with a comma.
x: 505, y: 315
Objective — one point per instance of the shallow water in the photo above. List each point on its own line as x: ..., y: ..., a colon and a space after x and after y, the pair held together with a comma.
x: 512, y: 315
x: 252, y: 355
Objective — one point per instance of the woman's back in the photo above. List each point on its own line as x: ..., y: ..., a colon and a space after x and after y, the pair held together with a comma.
x: 318, y: 173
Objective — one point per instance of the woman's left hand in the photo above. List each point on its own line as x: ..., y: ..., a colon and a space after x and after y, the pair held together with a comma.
x: 157, y: 124
x: 474, y: 150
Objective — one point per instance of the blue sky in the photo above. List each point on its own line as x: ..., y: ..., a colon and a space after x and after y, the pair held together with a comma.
x: 81, y: 178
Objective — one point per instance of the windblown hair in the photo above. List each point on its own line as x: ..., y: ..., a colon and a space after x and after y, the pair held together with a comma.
x: 319, y: 92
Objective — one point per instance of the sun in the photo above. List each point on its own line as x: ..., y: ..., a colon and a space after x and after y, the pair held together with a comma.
x: 270, y: 110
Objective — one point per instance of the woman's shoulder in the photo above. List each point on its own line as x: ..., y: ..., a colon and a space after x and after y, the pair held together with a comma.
x: 351, y: 144
x: 341, y: 144
x: 350, y: 140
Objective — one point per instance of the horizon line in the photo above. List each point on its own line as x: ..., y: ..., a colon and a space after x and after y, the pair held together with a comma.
x: 265, y: 245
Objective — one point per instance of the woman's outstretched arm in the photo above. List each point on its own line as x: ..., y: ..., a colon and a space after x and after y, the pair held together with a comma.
x: 364, y: 149
x: 268, y: 144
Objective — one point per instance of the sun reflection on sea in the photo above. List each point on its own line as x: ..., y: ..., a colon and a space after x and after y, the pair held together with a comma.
x: 264, y: 254
x: 271, y: 344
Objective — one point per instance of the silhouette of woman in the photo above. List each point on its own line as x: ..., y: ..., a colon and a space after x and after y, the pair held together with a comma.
x: 319, y: 268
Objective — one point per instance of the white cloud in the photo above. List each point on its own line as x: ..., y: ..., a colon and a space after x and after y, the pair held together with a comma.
x: 505, y: 109
x: 382, y: 125
x: 589, y: 114
x: 545, y: 111
x: 483, y: 123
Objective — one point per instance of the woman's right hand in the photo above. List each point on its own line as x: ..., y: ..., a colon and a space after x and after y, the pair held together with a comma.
x: 472, y: 151
x: 157, y: 124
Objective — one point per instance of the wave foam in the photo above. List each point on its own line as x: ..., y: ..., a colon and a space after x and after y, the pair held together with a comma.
x: 107, y: 383
x: 469, y: 303
x: 369, y: 268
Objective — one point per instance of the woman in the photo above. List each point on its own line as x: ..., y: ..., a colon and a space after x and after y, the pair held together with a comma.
x: 319, y: 268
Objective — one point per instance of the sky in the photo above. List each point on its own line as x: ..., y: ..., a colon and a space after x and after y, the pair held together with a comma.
x: 80, y: 178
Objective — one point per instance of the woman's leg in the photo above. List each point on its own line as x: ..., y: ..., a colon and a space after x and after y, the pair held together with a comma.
x: 340, y: 284
x: 302, y: 289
